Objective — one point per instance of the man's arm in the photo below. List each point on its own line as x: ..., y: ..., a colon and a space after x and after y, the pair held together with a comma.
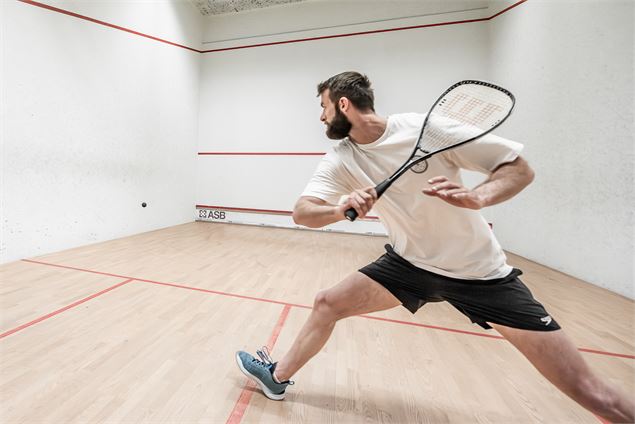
x: 315, y: 213
x: 504, y: 183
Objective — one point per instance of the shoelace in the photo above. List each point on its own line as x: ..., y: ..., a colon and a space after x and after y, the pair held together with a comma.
x: 265, y: 356
x: 266, y: 359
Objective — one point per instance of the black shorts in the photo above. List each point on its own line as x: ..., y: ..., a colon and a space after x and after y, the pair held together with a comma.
x: 506, y: 301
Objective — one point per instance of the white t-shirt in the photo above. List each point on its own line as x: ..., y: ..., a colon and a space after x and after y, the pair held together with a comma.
x: 426, y: 231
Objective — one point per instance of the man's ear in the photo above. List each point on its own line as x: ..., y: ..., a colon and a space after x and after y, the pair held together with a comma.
x: 344, y: 104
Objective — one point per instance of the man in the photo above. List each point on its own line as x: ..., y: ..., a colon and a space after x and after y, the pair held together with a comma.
x: 441, y: 248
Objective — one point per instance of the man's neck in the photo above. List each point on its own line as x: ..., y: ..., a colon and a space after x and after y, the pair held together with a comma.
x: 368, y: 128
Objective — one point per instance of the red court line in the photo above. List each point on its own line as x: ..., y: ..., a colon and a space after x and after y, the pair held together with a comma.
x: 600, y: 352
x: 299, y: 40
x: 376, y: 31
x: 240, y: 296
x: 260, y: 299
x: 97, y: 21
x: 180, y: 286
x: 59, y: 311
x: 506, y: 9
x: 433, y: 327
x: 76, y: 269
x: 245, y: 396
x: 602, y: 420
x: 227, y: 208
x: 350, y: 34
x: 245, y: 209
x: 276, y: 331
x: 261, y: 153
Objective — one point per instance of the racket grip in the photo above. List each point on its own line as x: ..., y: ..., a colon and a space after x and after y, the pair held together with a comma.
x: 351, y: 214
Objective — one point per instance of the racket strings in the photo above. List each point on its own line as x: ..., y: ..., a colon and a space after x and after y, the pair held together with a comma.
x: 463, y: 114
x: 487, y: 111
x: 469, y: 106
x: 438, y: 137
x: 450, y: 103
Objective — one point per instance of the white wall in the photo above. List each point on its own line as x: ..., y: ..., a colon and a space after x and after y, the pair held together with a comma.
x: 95, y: 122
x: 264, y: 99
x: 570, y: 64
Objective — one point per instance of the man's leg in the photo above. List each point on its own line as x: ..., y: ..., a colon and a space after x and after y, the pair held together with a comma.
x: 357, y: 294
x: 555, y: 356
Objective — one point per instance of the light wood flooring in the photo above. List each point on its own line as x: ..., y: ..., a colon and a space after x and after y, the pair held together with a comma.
x: 143, y: 330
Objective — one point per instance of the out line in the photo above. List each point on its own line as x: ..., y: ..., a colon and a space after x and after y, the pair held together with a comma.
x: 299, y: 40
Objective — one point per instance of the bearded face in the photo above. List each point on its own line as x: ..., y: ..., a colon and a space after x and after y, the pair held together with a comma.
x: 339, y: 127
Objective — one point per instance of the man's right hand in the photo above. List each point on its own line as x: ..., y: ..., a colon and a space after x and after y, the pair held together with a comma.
x: 361, y: 200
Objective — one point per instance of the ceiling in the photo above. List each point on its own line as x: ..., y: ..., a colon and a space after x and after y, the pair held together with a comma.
x: 219, y: 7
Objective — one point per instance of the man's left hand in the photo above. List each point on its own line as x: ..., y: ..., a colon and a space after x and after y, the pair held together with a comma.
x: 453, y: 193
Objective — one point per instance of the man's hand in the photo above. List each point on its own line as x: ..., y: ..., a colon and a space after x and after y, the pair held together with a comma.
x: 316, y: 213
x: 360, y: 200
x: 453, y: 193
x: 504, y: 183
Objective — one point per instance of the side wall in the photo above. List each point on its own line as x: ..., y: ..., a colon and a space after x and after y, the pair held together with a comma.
x: 571, y: 67
x: 95, y: 121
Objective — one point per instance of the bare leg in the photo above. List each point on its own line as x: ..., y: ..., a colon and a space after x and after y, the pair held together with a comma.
x: 555, y: 356
x: 356, y: 294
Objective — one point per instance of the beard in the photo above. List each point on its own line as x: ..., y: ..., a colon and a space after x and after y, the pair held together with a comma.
x: 339, y: 127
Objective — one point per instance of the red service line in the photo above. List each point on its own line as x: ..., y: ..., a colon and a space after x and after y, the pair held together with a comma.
x: 252, y: 210
x: 59, y: 311
x: 259, y: 299
x: 245, y: 396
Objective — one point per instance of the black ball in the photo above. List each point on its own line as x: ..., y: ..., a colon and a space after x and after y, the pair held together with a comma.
x: 143, y: 205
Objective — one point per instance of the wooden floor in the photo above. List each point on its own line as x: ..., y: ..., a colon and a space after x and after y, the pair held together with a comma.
x: 144, y: 329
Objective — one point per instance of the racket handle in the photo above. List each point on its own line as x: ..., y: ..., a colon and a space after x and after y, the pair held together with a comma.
x: 382, y: 186
x: 351, y: 213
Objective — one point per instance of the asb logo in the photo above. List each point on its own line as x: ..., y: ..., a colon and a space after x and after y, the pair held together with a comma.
x: 211, y: 214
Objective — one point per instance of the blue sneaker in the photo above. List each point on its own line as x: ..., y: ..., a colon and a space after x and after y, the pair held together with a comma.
x: 261, y: 372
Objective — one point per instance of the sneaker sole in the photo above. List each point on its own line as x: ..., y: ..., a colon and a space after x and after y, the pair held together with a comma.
x: 255, y: 379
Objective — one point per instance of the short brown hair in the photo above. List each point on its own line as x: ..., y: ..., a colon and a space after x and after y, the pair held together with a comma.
x: 352, y: 85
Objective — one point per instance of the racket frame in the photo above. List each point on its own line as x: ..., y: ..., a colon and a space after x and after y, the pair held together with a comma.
x: 384, y: 185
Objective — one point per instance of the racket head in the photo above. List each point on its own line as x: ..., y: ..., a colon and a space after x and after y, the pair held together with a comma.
x: 466, y: 111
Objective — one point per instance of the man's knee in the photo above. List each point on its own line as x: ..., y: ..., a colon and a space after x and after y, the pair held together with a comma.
x: 327, y: 305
